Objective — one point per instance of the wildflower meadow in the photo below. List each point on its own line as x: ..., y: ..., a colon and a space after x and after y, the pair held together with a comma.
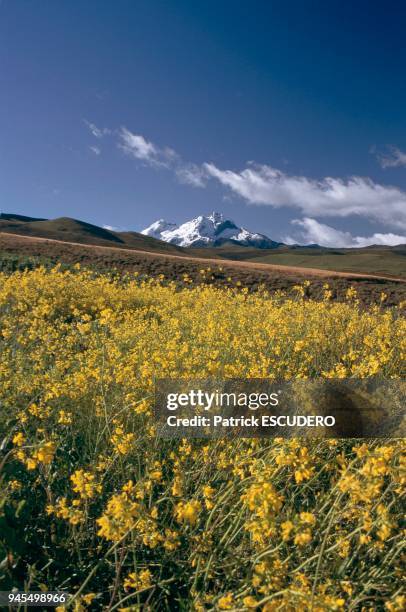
x: 93, y: 503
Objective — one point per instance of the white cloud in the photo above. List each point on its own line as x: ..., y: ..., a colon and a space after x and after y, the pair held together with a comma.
x: 191, y: 174
x: 265, y: 185
x: 313, y: 232
x: 140, y: 148
x: 329, y: 197
x: 111, y: 228
x: 395, y: 157
x: 137, y: 146
x: 95, y: 150
x: 96, y: 131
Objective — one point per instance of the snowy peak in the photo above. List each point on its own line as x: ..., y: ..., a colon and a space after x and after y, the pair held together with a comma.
x: 155, y: 229
x: 216, y: 217
x: 213, y: 230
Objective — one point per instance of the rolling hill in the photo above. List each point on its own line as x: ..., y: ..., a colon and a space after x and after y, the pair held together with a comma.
x: 73, y: 230
x: 379, y: 260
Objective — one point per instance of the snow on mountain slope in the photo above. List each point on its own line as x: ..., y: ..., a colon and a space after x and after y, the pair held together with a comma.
x: 213, y: 230
x: 155, y: 229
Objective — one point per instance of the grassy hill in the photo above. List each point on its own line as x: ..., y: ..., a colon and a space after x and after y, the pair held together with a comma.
x: 380, y: 260
x: 73, y: 230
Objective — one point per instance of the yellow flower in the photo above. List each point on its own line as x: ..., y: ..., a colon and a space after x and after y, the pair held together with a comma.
x: 19, y: 439
x: 303, y: 538
x: 287, y: 527
x: 64, y: 418
x: 88, y: 598
x: 307, y: 518
x: 84, y: 483
x: 171, y: 541
x: 250, y: 602
x: 62, y: 510
x: 122, y: 442
x: 31, y: 463
x: 46, y: 452
x: 156, y: 472
x: 188, y: 512
x: 226, y: 602
x: 119, y: 518
x: 177, y: 486
x: 15, y: 485
x: 208, y: 493
x: 397, y: 604
x: 138, y: 580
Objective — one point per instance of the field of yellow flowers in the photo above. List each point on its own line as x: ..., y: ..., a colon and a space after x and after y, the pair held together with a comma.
x: 92, y: 503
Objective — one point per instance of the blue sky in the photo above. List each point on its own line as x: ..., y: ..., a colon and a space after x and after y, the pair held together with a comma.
x: 289, y: 117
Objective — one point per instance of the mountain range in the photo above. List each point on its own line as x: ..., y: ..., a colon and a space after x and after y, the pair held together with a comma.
x: 211, y: 231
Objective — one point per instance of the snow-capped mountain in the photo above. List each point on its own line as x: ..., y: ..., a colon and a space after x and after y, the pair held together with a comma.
x: 213, y: 230
x: 158, y: 228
